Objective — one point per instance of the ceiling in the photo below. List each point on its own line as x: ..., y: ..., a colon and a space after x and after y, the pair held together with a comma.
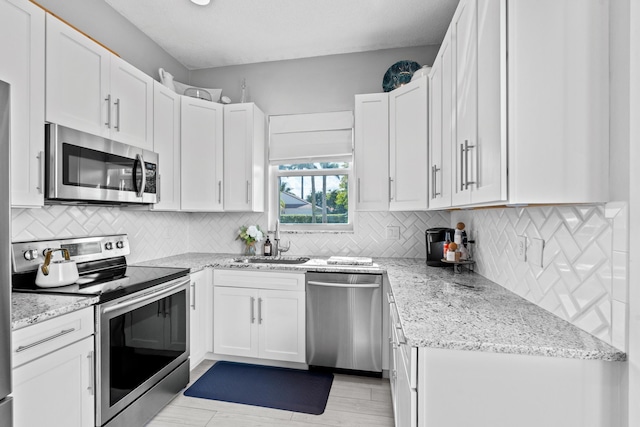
x: 232, y: 32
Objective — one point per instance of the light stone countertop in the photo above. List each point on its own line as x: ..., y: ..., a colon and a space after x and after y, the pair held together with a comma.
x: 440, y: 309
x: 28, y: 309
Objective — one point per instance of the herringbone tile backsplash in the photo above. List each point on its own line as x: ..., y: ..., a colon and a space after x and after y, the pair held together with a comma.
x: 583, y: 278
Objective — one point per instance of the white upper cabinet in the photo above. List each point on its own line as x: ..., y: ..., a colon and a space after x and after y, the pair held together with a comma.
x: 372, y: 152
x: 166, y: 142
x: 244, y: 158
x: 408, y: 146
x: 558, y: 114
x: 553, y: 120
x: 201, y: 159
x: 112, y: 99
x: 132, y: 100
x: 79, y: 103
x: 22, y: 46
x: 440, y: 127
x: 479, y: 153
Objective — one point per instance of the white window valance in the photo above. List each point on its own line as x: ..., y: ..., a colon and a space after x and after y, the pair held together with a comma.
x: 309, y: 138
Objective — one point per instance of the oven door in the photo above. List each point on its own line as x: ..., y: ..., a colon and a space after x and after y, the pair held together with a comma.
x: 87, y: 168
x: 141, y: 338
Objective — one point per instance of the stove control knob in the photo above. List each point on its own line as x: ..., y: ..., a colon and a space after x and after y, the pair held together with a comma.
x: 120, y: 244
x: 108, y: 246
x: 31, y: 254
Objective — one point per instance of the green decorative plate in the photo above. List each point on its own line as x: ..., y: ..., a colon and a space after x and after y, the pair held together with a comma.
x: 398, y: 74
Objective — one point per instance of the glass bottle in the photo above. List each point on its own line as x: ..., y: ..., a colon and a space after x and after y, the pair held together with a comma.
x: 445, y: 247
x: 267, y: 247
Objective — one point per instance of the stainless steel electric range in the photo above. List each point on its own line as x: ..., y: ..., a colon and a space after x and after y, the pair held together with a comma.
x: 142, y: 323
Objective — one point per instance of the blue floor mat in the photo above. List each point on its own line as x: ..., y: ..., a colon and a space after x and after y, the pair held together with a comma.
x: 271, y: 387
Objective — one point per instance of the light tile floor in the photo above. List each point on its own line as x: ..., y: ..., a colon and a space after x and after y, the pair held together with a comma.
x: 353, y: 402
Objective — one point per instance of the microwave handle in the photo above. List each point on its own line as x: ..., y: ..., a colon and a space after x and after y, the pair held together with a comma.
x: 143, y: 179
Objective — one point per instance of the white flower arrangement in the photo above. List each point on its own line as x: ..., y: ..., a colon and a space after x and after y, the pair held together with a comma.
x: 251, y: 234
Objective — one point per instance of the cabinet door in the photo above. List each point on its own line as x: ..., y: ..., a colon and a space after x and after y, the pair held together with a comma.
x: 408, y: 146
x: 59, y: 386
x: 464, y: 27
x: 132, y: 105
x: 488, y: 160
x: 440, y: 127
x: 281, y: 316
x: 77, y: 80
x: 244, y: 158
x: 560, y: 120
x: 22, y: 66
x: 201, y: 155
x: 235, y: 324
x: 372, y: 152
x: 199, y: 310
x: 166, y: 142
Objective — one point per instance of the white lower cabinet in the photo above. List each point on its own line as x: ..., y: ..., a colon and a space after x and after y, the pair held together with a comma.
x: 200, y: 316
x: 53, y: 372
x: 451, y: 388
x: 402, y: 373
x: 259, y: 314
x: 476, y: 388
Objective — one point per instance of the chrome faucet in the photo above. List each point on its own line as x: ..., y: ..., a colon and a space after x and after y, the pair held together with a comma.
x: 277, y: 250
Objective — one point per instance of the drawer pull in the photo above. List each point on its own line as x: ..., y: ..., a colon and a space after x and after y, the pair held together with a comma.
x: 92, y: 379
x: 44, y: 340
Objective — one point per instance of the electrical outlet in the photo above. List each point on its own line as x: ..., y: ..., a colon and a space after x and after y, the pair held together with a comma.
x: 536, y: 251
x: 393, y: 232
x: 521, y: 248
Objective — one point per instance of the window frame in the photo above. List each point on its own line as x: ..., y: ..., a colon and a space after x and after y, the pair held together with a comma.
x: 274, y: 200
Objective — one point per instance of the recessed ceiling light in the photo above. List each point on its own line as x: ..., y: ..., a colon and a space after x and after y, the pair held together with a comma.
x: 201, y: 2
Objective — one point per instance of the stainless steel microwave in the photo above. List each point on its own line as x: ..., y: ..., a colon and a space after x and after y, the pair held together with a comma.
x: 81, y: 168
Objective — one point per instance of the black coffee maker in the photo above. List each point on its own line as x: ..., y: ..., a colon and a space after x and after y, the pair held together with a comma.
x: 435, y: 238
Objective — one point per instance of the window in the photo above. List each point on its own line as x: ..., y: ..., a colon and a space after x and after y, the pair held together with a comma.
x: 310, y: 159
x: 314, y: 194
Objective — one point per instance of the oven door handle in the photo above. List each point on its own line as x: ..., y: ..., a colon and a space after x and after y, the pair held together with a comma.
x: 146, y: 297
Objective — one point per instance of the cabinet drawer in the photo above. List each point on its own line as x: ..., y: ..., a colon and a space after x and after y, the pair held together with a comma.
x: 259, y: 279
x: 42, y: 338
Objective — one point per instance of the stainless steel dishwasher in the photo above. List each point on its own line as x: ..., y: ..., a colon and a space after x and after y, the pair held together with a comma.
x: 344, y: 322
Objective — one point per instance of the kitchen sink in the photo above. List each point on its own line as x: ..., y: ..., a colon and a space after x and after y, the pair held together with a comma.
x: 275, y: 260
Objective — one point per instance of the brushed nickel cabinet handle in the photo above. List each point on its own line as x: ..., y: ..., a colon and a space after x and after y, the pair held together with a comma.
x: 44, y: 340
x: 40, y: 158
x: 92, y: 377
x: 461, y: 167
x: 193, y: 295
x: 466, y: 167
x: 117, y: 104
x: 108, y: 99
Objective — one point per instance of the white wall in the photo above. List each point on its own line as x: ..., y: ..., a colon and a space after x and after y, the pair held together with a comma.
x: 100, y: 21
x: 326, y: 83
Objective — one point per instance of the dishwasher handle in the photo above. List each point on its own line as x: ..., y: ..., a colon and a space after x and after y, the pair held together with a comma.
x: 343, y: 285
